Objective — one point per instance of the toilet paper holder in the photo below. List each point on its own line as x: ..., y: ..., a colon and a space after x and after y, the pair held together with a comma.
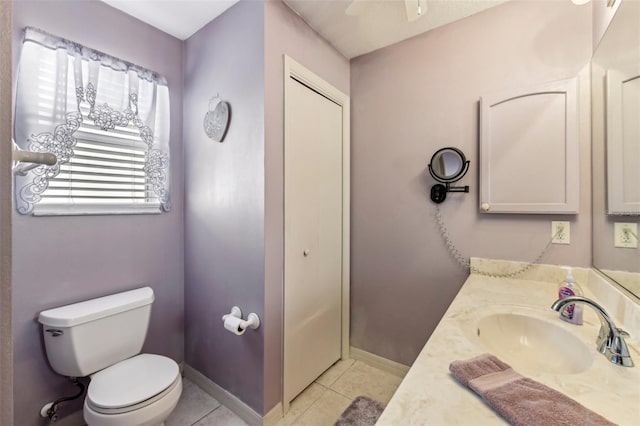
x: 252, y: 321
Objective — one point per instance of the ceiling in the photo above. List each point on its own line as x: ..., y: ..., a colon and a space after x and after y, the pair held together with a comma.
x: 379, y: 23
x: 162, y: 14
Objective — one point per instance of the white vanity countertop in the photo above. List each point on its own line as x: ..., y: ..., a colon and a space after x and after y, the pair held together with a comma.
x: 430, y: 395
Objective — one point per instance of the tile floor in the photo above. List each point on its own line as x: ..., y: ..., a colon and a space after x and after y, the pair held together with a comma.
x: 318, y: 405
x: 198, y: 408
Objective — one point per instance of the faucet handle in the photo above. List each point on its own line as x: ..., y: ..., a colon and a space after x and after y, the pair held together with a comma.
x: 621, y: 332
x: 610, y: 341
x: 618, y: 352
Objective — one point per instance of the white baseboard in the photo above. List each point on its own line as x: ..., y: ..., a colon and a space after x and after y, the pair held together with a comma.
x: 273, y: 416
x: 377, y: 361
x: 227, y: 399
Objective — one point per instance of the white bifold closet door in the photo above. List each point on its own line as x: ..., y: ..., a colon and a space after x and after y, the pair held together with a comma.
x: 313, y: 236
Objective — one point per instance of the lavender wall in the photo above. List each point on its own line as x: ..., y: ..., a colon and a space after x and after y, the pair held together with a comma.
x: 422, y: 94
x: 60, y: 260
x: 224, y: 200
x: 285, y: 33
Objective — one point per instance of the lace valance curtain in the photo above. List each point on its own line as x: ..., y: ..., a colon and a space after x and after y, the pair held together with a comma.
x: 63, y: 85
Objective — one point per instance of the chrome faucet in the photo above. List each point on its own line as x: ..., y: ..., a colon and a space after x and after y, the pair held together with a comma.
x: 610, y: 340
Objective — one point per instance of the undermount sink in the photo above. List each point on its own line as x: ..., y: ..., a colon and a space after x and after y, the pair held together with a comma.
x: 533, y: 344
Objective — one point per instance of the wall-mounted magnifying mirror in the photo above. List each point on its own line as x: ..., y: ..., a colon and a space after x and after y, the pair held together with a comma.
x: 448, y: 165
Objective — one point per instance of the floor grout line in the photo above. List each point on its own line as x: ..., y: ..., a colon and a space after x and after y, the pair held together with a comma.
x: 352, y: 366
x: 295, y: 420
x: 312, y: 404
x: 220, y: 405
x: 340, y: 376
x: 343, y: 373
x: 346, y: 396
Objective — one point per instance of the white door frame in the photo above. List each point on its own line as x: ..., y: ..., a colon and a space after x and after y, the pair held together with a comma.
x: 6, y: 181
x: 293, y: 69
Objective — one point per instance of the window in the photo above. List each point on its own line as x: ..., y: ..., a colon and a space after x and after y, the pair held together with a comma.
x: 105, y: 174
x: 106, y: 120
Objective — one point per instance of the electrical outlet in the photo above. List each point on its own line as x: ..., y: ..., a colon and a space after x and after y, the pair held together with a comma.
x: 560, y: 232
x: 625, y: 235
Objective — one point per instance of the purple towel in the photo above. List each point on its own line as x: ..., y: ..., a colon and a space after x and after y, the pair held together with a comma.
x: 520, y: 400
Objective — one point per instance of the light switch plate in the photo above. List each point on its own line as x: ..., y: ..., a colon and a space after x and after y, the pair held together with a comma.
x: 625, y: 235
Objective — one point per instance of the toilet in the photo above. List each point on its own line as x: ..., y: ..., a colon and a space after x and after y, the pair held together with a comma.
x: 102, y: 338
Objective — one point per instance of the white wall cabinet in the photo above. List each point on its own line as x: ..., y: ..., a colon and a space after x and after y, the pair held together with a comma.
x: 529, y: 150
x: 623, y: 149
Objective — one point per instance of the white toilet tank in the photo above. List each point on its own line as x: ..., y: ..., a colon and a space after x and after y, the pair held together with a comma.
x: 86, y: 337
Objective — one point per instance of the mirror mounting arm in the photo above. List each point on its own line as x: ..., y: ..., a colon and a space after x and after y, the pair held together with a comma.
x: 439, y: 191
x: 457, y: 188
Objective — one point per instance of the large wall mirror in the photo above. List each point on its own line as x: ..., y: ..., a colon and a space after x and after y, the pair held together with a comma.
x: 615, y: 71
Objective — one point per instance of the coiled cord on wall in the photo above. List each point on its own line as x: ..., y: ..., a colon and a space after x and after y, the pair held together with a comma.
x: 466, y: 263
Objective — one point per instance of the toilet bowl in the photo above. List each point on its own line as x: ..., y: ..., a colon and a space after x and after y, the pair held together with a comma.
x: 102, y: 338
x: 142, y: 390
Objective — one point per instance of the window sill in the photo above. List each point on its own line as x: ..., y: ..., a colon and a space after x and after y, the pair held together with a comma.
x: 95, y: 209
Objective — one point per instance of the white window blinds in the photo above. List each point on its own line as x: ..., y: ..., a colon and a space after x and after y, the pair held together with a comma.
x: 106, y: 170
x: 106, y: 120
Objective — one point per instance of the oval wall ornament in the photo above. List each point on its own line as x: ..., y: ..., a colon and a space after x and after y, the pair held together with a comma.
x: 216, y: 120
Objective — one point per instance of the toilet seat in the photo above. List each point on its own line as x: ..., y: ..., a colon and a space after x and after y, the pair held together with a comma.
x: 132, y: 384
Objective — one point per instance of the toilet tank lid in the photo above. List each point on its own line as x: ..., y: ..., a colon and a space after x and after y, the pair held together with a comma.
x: 91, y: 310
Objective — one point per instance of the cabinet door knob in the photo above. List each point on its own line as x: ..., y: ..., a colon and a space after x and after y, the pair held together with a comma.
x: 305, y: 253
